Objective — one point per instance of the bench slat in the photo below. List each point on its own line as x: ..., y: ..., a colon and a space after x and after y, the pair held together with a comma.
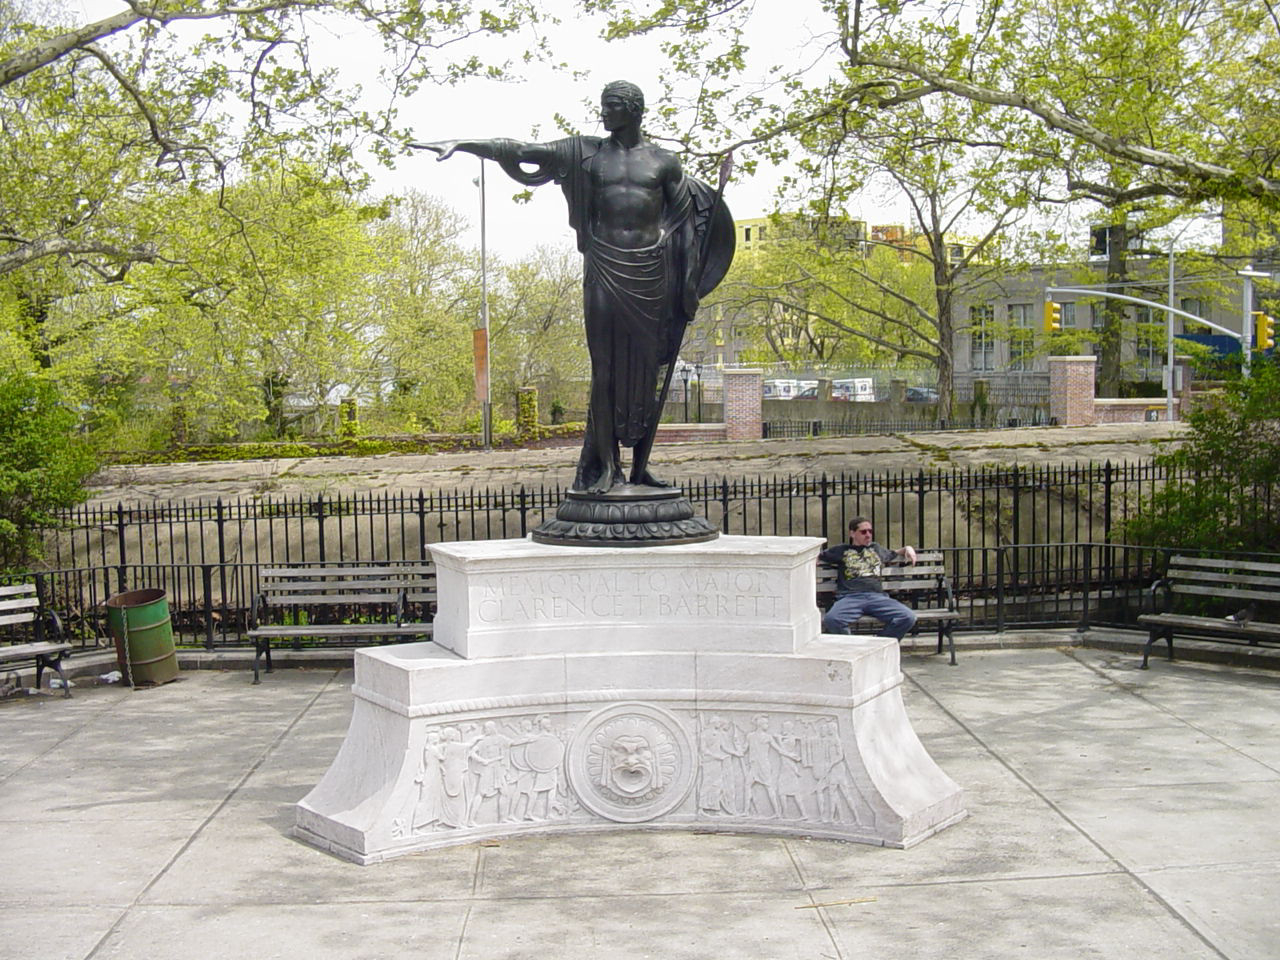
x: 1210, y: 623
x: 17, y: 588
x: 16, y: 618
x: 1225, y: 593
x: 20, y: 651
x: 1230, y: 579
x: 1220, y: 564
x: 339, y: 571
x: 22, y: 603
x: 344, y: 630
x: 356, y: 584
x: 327, y: 599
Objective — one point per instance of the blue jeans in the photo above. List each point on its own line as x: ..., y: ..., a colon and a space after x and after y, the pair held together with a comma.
x: 896, y: 617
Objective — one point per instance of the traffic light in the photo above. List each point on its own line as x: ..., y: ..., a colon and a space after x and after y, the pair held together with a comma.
x: 1265, y: 330
x: 1052, y: 316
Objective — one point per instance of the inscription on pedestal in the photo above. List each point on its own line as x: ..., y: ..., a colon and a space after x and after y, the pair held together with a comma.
x: 711, y: 594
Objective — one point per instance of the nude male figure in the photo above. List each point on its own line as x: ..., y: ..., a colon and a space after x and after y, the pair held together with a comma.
x: 653, y: 242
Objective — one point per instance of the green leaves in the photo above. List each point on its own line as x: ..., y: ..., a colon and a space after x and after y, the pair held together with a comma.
x: 43, y: 468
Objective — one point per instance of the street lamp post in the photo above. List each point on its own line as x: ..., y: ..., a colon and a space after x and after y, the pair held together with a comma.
x: 685, y: 375
x: 1248, y: 274
x: 483, y: 391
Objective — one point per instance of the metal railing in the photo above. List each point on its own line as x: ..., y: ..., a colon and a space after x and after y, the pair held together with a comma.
x: 973, y: 507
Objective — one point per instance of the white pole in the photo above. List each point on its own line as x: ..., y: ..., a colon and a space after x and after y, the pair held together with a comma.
x: 487, y: 404
x: 1168, y: 324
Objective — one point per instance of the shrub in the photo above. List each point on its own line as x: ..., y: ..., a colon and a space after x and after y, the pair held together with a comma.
x: 1225, y: 494
x: 43, y: 465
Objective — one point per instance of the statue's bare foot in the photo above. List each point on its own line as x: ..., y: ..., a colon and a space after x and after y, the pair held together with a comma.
x: 649, y: 480
x: 610, y: 477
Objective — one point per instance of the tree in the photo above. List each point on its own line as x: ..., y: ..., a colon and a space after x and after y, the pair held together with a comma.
x: 98, y: 119
x: 427, y: 293
x: 44, y: 465
x: 1153, y: 110
x: 1224, y: 494
x: 536, y: 329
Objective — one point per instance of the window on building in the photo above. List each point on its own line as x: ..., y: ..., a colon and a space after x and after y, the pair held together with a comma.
x: 746, y: 234
x: 982, y: 343
x: 1193, y: 305
x: 1068, y: 315
x: 1150, y: 338
x: 1021, y: 337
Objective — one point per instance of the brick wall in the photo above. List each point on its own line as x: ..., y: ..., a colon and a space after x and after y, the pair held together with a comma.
x: 689, y: 432
x: 1071, y: 386
x: 743, y: 404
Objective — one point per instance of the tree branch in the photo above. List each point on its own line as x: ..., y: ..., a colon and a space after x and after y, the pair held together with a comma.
x: 1186, y: 167
x: 31, y: 250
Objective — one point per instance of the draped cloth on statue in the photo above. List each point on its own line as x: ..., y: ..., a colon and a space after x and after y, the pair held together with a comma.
x: 631, y: 334
x: 647, y: 296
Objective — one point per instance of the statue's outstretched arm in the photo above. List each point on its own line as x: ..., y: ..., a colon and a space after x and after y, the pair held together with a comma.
x: 498, y: 149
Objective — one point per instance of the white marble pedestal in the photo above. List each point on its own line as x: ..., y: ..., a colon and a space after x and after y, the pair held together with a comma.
x: 580, y: 688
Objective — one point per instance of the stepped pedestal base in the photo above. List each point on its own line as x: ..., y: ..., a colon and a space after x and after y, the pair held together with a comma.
x: 731, y: 720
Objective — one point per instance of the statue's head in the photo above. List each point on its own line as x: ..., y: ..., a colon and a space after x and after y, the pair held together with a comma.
x: 628, y: 93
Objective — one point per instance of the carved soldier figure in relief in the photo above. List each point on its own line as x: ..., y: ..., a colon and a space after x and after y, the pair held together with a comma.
x: 791, y: 774
x: 654, y: 242
x: 490, y: 759
x: 761, y: 770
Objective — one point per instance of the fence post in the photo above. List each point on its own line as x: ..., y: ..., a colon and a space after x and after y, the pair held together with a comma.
x: 920, y: 484
x: 1107, y: 480
x: 1083, y: 626
x: 824, y: 497
x: 524, y: 513
x: 222, y: 556
x: 422, y: 525
x: 320, y: 526
x: 724, y: 504
x: 206, y: 575
x: 42, y: 603
x: 999, y: 589
x: 120, y: 535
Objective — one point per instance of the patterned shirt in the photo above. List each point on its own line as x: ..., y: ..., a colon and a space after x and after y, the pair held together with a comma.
x: 857, y: 568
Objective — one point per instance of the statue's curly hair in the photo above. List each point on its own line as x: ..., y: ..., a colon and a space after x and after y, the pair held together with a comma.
x: 628, y: 92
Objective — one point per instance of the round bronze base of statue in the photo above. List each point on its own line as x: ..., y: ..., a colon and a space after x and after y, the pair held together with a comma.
x: 629, y: 515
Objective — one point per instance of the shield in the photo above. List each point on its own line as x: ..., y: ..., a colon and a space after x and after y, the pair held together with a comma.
x: 545, y: 753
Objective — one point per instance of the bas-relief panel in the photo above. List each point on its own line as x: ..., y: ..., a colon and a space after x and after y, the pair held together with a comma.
x: 635, y: 762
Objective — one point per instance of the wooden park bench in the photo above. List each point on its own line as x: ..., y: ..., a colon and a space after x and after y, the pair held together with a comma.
x: 20, y: 603
x: 340, y: 601
x: 922, y: 586
x: 1241, y: 590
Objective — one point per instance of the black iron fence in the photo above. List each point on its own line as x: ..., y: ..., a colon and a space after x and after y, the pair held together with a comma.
x: 978, y: 507
x: 1032, y: 545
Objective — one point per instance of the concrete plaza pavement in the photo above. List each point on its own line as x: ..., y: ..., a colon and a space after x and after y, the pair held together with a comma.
x: 1114, y: 813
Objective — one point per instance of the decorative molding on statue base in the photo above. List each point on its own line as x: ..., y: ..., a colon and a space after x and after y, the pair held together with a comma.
x: 581, y: 729
x: 628, y: 515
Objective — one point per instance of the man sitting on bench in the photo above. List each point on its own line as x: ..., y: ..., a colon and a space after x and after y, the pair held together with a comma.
x: 859, y: 591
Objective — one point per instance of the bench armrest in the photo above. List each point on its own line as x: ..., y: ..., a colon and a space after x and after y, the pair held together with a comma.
x: 1162, y: 587
x: 945, y: 593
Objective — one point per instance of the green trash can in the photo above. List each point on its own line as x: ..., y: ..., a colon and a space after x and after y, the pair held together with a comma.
x: 140, y: 626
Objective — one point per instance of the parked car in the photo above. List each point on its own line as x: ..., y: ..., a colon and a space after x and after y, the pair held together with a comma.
x: 922, y: 395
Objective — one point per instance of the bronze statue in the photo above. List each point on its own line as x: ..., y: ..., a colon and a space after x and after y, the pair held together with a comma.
x: 654, y: 242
